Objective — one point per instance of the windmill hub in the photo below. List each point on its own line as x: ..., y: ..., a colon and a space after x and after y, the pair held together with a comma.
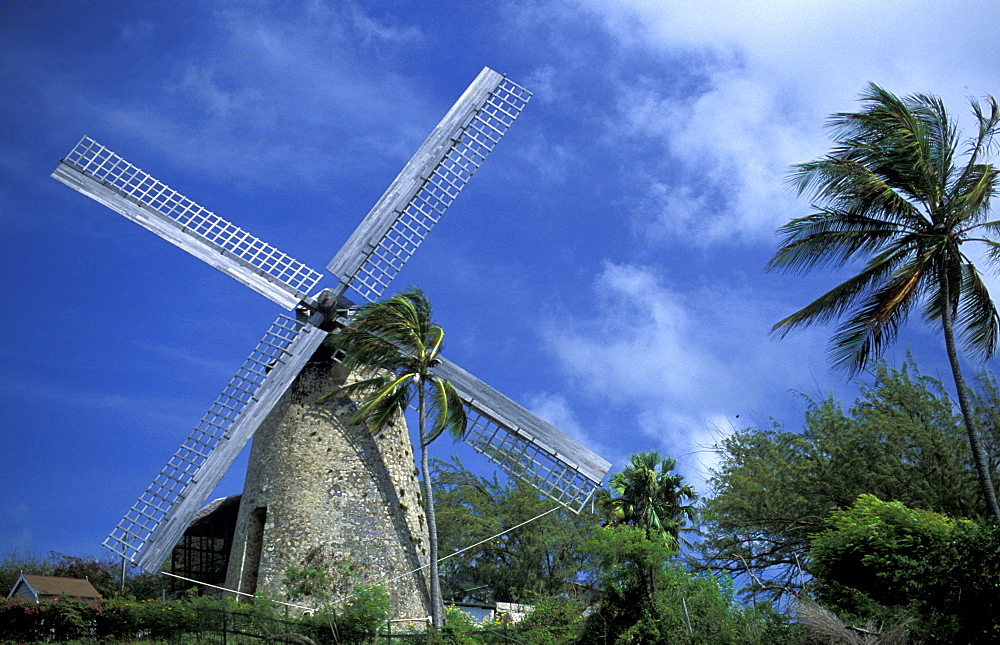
x: 326, y: 310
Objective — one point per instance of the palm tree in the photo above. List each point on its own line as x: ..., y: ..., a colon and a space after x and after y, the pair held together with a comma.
x: 393, y: 345
x: 898, y: 193
x: 649, y: 495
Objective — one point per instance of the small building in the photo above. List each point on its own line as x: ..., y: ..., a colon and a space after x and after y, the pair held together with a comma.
x: 39, y: 588
x: 508, y: 612
x: 202, y: 554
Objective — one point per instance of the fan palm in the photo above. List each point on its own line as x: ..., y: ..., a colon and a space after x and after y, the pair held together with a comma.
x: 897, y: 192
x: 647, y: 494
x: 393, y: 345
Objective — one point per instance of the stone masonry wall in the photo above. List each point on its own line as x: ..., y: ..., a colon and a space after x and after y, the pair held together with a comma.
x: 321, y: 492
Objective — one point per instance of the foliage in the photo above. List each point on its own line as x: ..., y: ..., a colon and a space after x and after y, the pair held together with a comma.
x: 554, y: 620
x: 646, y: 598
x: 537, y: 558
x: 14, y: 563
x: 394, y: 345
x: 894, y: 194
x: 775, y: 489
x: 356, y: 620
x: 313, y: 583
x: 645, y: 493
x: 63, y: 619
x: 103, y: 574
x: 459, y: 629
x: 986, y: 403
x: 885, y: 561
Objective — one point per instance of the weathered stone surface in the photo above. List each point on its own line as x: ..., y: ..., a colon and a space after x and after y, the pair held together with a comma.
x: 321, y: 492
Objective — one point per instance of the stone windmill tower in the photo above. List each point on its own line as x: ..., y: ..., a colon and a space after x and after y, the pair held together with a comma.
x: 320, y: 491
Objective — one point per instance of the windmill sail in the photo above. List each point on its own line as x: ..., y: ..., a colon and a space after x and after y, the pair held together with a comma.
x: 520, y: 442
x: 524, y: 445
x: 427, y: 185
x: 102, y: 175
x: 154, y: 524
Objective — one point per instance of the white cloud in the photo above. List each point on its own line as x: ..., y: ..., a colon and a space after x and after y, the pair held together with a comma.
x: 641, y: 335
x: 680, y: 366
x: 282, y: 98
x: 375, y: 31
x: 767, y: 76
x: 543, y: 84
x: 137, y: 30
x: 555, y: 409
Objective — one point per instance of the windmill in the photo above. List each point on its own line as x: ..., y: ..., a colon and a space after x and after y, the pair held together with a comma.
x: 508, y: 434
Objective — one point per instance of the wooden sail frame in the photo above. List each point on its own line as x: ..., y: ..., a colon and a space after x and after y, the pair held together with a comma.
x: 524, y: 445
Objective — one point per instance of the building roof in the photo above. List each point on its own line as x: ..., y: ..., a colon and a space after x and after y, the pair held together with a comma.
x: 55, y: 586
x: 220, y: 506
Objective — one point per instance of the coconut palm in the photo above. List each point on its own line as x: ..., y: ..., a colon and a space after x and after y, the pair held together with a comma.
x: 901, y: 193
x: 393, y: 345
x: 647, y: 494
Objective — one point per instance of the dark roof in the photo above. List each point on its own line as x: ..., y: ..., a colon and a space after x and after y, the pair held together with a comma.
x: 56, y: 586
x: 217, y: 507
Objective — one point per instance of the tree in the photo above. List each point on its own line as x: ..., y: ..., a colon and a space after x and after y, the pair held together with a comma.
x: 647, y: 597
x: 893, y: 193
x: 647, y: 494
x: 774, y: 489
x: 884, y: 561
x: 538, y: 559
x: 393, y: 345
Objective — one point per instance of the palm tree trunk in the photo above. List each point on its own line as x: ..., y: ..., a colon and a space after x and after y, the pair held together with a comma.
x: 971, y: 424
x: 437, y: 611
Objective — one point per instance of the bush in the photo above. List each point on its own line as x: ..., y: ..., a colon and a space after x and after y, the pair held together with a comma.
x: 357, y: 620
x: 103, y: 574
x: 63, y: 619
x: 648, y: 598
x: 887, y: 563
x: 554, y: 620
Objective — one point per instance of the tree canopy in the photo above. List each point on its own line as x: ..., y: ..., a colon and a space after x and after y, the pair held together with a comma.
x: 542, y: 557
x: 887, y: 561
x: 648, y: 494
x: 774, y: 489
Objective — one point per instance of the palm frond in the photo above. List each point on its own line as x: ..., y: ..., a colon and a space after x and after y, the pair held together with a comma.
x: 832, y: 238
x: 977, y: 315
x: 971, y: 196
x: 890, y: 193
x: 875, y: 324
x: 360, y: 388
x: 844, y: 184
x: 984, y: 142
x: 839, y: 300
x: 648, y: 494
x: 387, y: 404
x: 447, y: 410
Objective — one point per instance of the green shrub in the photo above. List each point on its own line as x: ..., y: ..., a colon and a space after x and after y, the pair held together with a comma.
x: 356, y: 620
x: 553, y: 620
x: 63, y: 619
x: 885, y: 562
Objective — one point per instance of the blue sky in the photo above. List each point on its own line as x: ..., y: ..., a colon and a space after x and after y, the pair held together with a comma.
x: 604, y: 268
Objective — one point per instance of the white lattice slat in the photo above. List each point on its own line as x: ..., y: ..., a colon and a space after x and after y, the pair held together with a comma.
x: 524, y: 445
x: 148, y: 532
x: 105, y: 177
x: 427, y: 185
